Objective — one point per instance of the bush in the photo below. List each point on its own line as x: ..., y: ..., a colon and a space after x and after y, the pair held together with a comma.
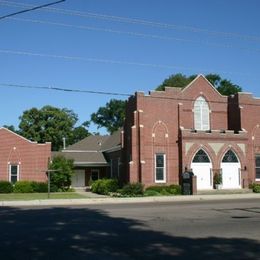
x: 39, y: 187
x: 151, y: 193
x: 165, y: 190
x: 104, y: 186
x: 61, y: 178
x: 255, y: 187
x: 133, y: 189
x: 6, y: 187
x: 23, y: 187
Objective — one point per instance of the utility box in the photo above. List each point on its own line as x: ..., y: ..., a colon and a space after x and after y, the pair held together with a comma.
x: 187, y: 183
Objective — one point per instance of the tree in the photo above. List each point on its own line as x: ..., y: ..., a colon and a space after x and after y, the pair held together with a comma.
x: 111, y: 116
x: 224, y: 86
x: 10, y: 127
x: 50, y: 124
x: 79, y: 133
x: 61, y: 178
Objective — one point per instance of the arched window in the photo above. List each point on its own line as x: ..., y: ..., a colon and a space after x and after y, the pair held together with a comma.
x: 201, y: 157
x: 201, y: 114
x: 230, y: 157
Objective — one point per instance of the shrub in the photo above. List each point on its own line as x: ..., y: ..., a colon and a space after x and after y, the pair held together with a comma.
x: 133, y: 189
x: 104, y: 186
x: 151, y: 193
x: 6, y: 187
x: 39, y: 187
x: 23, y: 187
x: 255, y: 187
x: 165, y: 190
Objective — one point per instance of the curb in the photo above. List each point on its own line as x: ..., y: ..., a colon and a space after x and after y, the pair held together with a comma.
x: 104, y: 201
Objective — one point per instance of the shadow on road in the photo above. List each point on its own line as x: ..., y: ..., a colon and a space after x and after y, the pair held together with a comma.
x: 81, y: 233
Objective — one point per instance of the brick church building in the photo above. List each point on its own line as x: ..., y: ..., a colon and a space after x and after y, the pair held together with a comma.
x: 195, y: 128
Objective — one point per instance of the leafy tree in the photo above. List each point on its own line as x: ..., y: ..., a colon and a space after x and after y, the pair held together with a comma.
x: 50, y: 124
x: 61, y: 178
x: 10, y: 127
x: 79, y: 133
x: 111, y: 116
x: 224, y: 86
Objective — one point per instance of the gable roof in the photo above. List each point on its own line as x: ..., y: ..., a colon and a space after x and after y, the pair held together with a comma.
x: 90, y: 143
x: 19, y: 136
x: 90, y: 150
x: 200, y: 76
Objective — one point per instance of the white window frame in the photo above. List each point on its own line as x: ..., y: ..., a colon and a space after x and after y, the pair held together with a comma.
x: 201, y: 110
x: 164, y: 168
x: 256, y: 167
x: 18, y: 171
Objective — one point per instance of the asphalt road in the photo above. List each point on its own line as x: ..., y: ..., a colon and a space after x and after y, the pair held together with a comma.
x: 179, y: 230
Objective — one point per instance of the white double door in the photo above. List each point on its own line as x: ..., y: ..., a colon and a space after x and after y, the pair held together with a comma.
x: 204, y: 175
x: 231, y: 178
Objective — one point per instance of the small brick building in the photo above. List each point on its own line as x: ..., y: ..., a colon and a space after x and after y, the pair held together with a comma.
x: 195, y: 128
x: 22, y: 159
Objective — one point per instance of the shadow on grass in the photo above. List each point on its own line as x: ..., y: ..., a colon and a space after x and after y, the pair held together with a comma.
x: 80, y: 233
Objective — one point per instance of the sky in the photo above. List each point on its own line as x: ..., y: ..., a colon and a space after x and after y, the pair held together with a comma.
x: 120, y: 46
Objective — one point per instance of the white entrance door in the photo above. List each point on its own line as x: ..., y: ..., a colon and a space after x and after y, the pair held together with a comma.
x: 78, y: 179
x: 231, y: 175
x: 231, y: 178
x: 204, y: 176
x: 201, y: 167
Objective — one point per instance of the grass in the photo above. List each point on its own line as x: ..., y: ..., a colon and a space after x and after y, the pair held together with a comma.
x: 40, y: 196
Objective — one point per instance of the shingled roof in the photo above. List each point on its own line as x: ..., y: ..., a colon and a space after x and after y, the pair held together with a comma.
x: 90, y: 151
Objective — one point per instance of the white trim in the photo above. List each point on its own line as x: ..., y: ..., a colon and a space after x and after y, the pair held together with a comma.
x: 18, y: 171
x: 164, y: 168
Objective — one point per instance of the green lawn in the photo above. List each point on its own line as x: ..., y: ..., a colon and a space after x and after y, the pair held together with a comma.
x: 40, y: 196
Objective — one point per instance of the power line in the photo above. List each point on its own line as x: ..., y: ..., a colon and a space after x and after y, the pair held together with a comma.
x: 70, y: 90
x: 140, y: 21
x: 109, y: 61
x: 31, y: 9
x: 135, y: 34
x: 65, y: 89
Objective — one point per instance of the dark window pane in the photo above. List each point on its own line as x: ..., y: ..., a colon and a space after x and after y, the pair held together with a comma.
x: 257, y: 161
x: 159, y: 174
x: 94, y: 176
x: 159, y: 160
x: 13, y: 179
x: 14, y: 169
x: 257, y: 173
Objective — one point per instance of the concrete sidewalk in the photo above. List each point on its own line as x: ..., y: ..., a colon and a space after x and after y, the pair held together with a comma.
x: 109, y: 200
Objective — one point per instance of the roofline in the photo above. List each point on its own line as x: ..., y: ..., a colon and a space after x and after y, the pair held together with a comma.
x: 114, y: 148
x: 32, y: 142
x: 198, y: 76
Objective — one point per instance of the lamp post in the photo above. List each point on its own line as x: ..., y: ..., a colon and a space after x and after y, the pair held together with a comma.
x: 48, y: 172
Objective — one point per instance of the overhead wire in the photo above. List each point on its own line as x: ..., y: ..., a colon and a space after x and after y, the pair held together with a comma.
x: 70, y: 90
x: 30, y: 9
x: 135, y: 34
x: 110, y: 61
x: 139, y: 21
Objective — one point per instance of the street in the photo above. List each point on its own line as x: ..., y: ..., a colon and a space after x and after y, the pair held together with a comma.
x: 180, y: 230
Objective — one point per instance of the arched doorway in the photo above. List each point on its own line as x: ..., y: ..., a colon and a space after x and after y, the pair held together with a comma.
x: 231, y: 176
x: 201, y: 166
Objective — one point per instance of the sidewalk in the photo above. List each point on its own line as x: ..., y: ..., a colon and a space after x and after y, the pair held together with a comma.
x: 109, y: 200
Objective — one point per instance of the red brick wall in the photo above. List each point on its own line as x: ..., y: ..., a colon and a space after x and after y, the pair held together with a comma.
x: 162, y: 122
x: 31, y: 157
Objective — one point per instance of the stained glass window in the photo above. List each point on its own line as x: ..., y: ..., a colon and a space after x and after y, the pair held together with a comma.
x: 230, y: 157
x: 201, y: 157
